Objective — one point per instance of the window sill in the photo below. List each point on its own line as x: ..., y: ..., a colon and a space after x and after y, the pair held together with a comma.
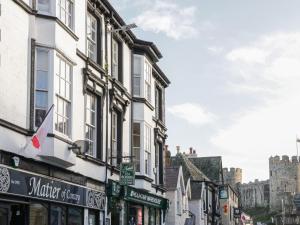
x: 144, y: 177
x: 91, y: 159
x: 145, y: 101
x: 61, y: 137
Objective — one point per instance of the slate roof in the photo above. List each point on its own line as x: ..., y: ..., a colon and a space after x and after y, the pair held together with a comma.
x: 196, y: 188
x: 172, y: 178
x: 210, y: 166
x: 189, y: 170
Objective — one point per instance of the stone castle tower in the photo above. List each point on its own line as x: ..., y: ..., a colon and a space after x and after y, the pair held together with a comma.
x: 284, y: 181
x: 232, y: 176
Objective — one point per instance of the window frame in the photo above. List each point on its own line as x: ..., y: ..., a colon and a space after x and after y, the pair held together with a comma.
x: 135, y: 149
x: 67, y: 14
x: 41, y: 10
x: 137, y: 75
x: 58, y: 96
x: 92, y: 18
x: 147, y: 149
x: 116, y: 129
x: 118, y: 60
x: 159, y: 103
x: 147, y: 80
x: 41, y: 90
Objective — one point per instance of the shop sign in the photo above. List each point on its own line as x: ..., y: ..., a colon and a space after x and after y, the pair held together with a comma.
x: 127, y: 174
x: 114, y: 188
x: 20, y: 183
x: 223, y: 192
x: 237, y: 212
x: 135, y: 195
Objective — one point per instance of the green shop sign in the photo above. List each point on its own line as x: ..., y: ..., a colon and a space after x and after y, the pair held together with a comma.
x: 114, y: 188
x: 132, y: 194
x: 127, y: 174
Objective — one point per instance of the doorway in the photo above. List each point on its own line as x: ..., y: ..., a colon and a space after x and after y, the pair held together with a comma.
x: 12, y: 214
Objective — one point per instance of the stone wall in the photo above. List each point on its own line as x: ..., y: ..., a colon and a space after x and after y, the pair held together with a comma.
x: 255, y: 194
x: 283, y: 181
x: 233, y: 176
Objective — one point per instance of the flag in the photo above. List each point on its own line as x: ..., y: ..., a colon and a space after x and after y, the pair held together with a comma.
x: 40, y: 135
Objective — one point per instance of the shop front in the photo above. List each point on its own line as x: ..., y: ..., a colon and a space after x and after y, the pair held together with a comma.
x: 131, y: 206
x: 32, y: 199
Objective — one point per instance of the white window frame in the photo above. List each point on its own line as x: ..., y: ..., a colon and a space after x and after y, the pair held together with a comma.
x: 135, y: 149
x: 68, y: 17
x: 41, y: 90
x: 137, y: 75
x: 91, y: 28
x: 114, y: 138
x: 147, y: 146
x: 148, y: 78
x: 63, y: 84
x: 115, y: 59
x: 91, y: 141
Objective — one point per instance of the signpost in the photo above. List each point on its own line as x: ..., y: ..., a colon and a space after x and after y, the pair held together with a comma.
x: 127, y: 174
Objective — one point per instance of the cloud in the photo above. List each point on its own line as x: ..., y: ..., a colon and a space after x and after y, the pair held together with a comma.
x: 167, y: 17
x: 269, y: 70
x: 193, y: 113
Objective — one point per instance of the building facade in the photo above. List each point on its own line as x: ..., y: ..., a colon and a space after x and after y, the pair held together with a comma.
x: 229, y: 203
x: 75, y: 56
x: 283, y: 181
x: 255, y: 194
x: 179, y: 194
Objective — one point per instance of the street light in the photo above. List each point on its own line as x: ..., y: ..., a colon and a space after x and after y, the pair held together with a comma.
x: 124, y: 28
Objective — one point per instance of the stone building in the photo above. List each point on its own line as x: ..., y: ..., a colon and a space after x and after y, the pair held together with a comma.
x: 283, y: 181
x: 233, y: 176
x: 255, y: 194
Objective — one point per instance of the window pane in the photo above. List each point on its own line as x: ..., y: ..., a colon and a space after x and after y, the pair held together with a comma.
x: 44, y: 5
x: 58, y: 215
x: 39, y: 116
x: 137, y: 86
x: 41, y: 99
x: 42, y: 80
x: 75, y: 216
x: 42, y: 60
x: 137, y: 68
x: 38, y: 214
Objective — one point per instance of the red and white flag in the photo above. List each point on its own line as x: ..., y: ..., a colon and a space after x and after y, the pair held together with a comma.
x: 40, y: 135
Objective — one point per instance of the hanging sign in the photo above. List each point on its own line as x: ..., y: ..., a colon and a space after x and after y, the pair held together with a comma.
x: 127, y: 174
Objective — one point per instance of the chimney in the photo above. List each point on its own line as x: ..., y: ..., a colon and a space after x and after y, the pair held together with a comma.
x: 191, y: 150
x: 178, y: 149
x: 194, y: 151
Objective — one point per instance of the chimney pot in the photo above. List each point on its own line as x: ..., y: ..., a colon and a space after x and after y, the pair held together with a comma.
x: 191, y: 150
x: 178, y: 149
x: 194, y: 152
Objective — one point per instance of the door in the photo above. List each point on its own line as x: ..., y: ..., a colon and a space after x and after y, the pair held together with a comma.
x: 12, y: 214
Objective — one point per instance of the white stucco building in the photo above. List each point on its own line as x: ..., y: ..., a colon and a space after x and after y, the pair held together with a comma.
x: 70, y: 54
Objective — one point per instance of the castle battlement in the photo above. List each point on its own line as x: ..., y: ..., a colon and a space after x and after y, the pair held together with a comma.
x: 283, y: 159
x: 232, y: 170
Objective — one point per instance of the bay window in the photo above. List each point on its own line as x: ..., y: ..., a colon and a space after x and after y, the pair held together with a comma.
x: 136, y: 133
x: 63, y: 97
x: 148, y: 74
x: 92, y: 37
x: 66, y: 12
x: 137, y: 74
x: 147, y: 143
x: 41, y: 85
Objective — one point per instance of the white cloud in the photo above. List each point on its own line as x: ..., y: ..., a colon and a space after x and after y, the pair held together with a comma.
x: 192, y: 113
x: 215, y: 50
x: 167, y: 17
x: 269, y: 128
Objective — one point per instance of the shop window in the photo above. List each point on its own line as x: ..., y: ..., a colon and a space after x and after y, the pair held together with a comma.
x: 158, y: 217
x: 93, y: 217
x: 75, y: 216
x: 135, y: 215
x: 38, y: 214
x: 58, y: 215
x: 152, y: 216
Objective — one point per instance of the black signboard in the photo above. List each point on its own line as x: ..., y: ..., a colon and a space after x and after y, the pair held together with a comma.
x: 237, y: 212
x: 20, y: 183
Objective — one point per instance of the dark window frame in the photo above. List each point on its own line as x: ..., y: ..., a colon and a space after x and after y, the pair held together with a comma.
x: 159, y: 103
x: 120, y: 77
x: 119, y: 138
x: 99, y: 123
x: 99, y: 38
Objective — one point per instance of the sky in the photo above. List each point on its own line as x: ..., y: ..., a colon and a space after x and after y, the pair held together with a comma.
x: 234, y: 68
